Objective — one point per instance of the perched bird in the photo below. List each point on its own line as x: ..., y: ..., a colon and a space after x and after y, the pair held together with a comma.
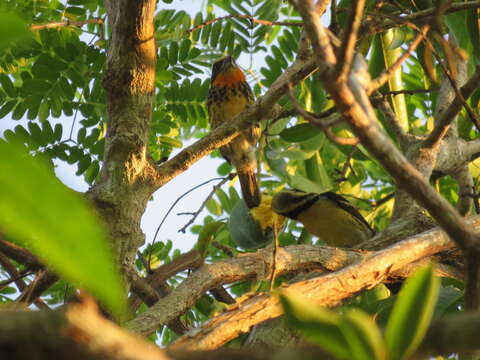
x: 229, y: 95
x: 328, y: 216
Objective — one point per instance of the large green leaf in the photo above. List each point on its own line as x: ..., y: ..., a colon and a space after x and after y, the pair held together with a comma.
x: 40, y: 213
x: 363, y: 336
x: 12, y: 29
x: 412, y: 313
x: 320, y: 325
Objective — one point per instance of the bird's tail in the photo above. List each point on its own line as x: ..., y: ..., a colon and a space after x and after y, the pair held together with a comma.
x: 250, y: 190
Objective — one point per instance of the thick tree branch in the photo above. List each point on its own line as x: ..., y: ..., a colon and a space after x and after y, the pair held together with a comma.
x: 327, y: 290
x: 291, y: 259
x: 77, y: 333
x: 19, y: 254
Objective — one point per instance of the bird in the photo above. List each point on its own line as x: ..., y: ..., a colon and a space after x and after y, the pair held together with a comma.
x: 229, y: 94
x: 328, y: 215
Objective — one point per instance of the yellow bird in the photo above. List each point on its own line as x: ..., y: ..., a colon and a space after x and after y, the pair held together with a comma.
x: 329, y: 216
x: 228, y: 96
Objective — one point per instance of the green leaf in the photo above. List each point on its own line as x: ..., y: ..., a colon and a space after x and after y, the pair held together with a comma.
x: 206, y: 236
x: 7, y: 107
x: 7, y: 85
x: 319, y: 325
x: 363, y: 336
x: 12, y: 29
x: 173, y: 53
x: 39, y: 212
x: 184, y: 48
x: 412, y: 313
x: 300, y: 132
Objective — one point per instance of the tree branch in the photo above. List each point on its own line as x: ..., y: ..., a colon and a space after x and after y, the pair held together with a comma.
x: 53, y: 25
x: 327, y: 290
x: 77, y: 333
x: 290, y: 259
x: 249, y: 17
x: 263, y: 108
x: 347, y: 50
x: 385, y: 75
x: 351, y: 100
x: 443, y: 124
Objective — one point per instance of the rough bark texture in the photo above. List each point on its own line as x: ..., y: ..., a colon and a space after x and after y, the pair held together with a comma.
x: 122, y: 192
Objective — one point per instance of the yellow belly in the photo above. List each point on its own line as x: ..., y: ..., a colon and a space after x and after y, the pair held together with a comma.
x: 226, y: 110
x: 333, y: 225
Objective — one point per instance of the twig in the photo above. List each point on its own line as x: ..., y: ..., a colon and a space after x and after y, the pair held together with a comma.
x: 326, y: 128
x: 204, y: 203
x: 273, y: 268
x: 66, y: 23
x: 347, y: 165
x: 168, y: 213
x: 43, y: 280
x: 450, y: 78
x: 449, y: 114
x: 226, y: 249
x: 16, y: 277
x: 383, y: 105
x: 347, y: 50
x: 385, y: 75
x: 383, y: 200
x: 410, y: 91
x: 249, y: 17
x: 19, y: 254
x: 220, y: 294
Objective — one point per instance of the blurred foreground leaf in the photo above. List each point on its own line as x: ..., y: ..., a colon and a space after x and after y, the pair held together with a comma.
x: 42, y: 214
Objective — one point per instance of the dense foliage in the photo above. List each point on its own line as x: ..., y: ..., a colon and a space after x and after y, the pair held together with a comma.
x: 51, y: 84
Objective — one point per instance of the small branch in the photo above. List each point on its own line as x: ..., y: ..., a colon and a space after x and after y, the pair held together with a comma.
x: 149, y: 296
x: 19, y: 254
x: 204, y: 203
x: 248, y: 17
x: 391, y: 118
x: 326, y: 128
x: 168, y: 213
x: 43, y: 280
x: 18, y: 279
x: 372, y: 26
x: 472, y: 150
x: 443, y: 124
x: 220, y: 294
x: 66, y: 23
x: 323, y: 48
x: 347, y: 50
x: 385, y: 76
x: 410, y: 91
x: 227, y: 250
